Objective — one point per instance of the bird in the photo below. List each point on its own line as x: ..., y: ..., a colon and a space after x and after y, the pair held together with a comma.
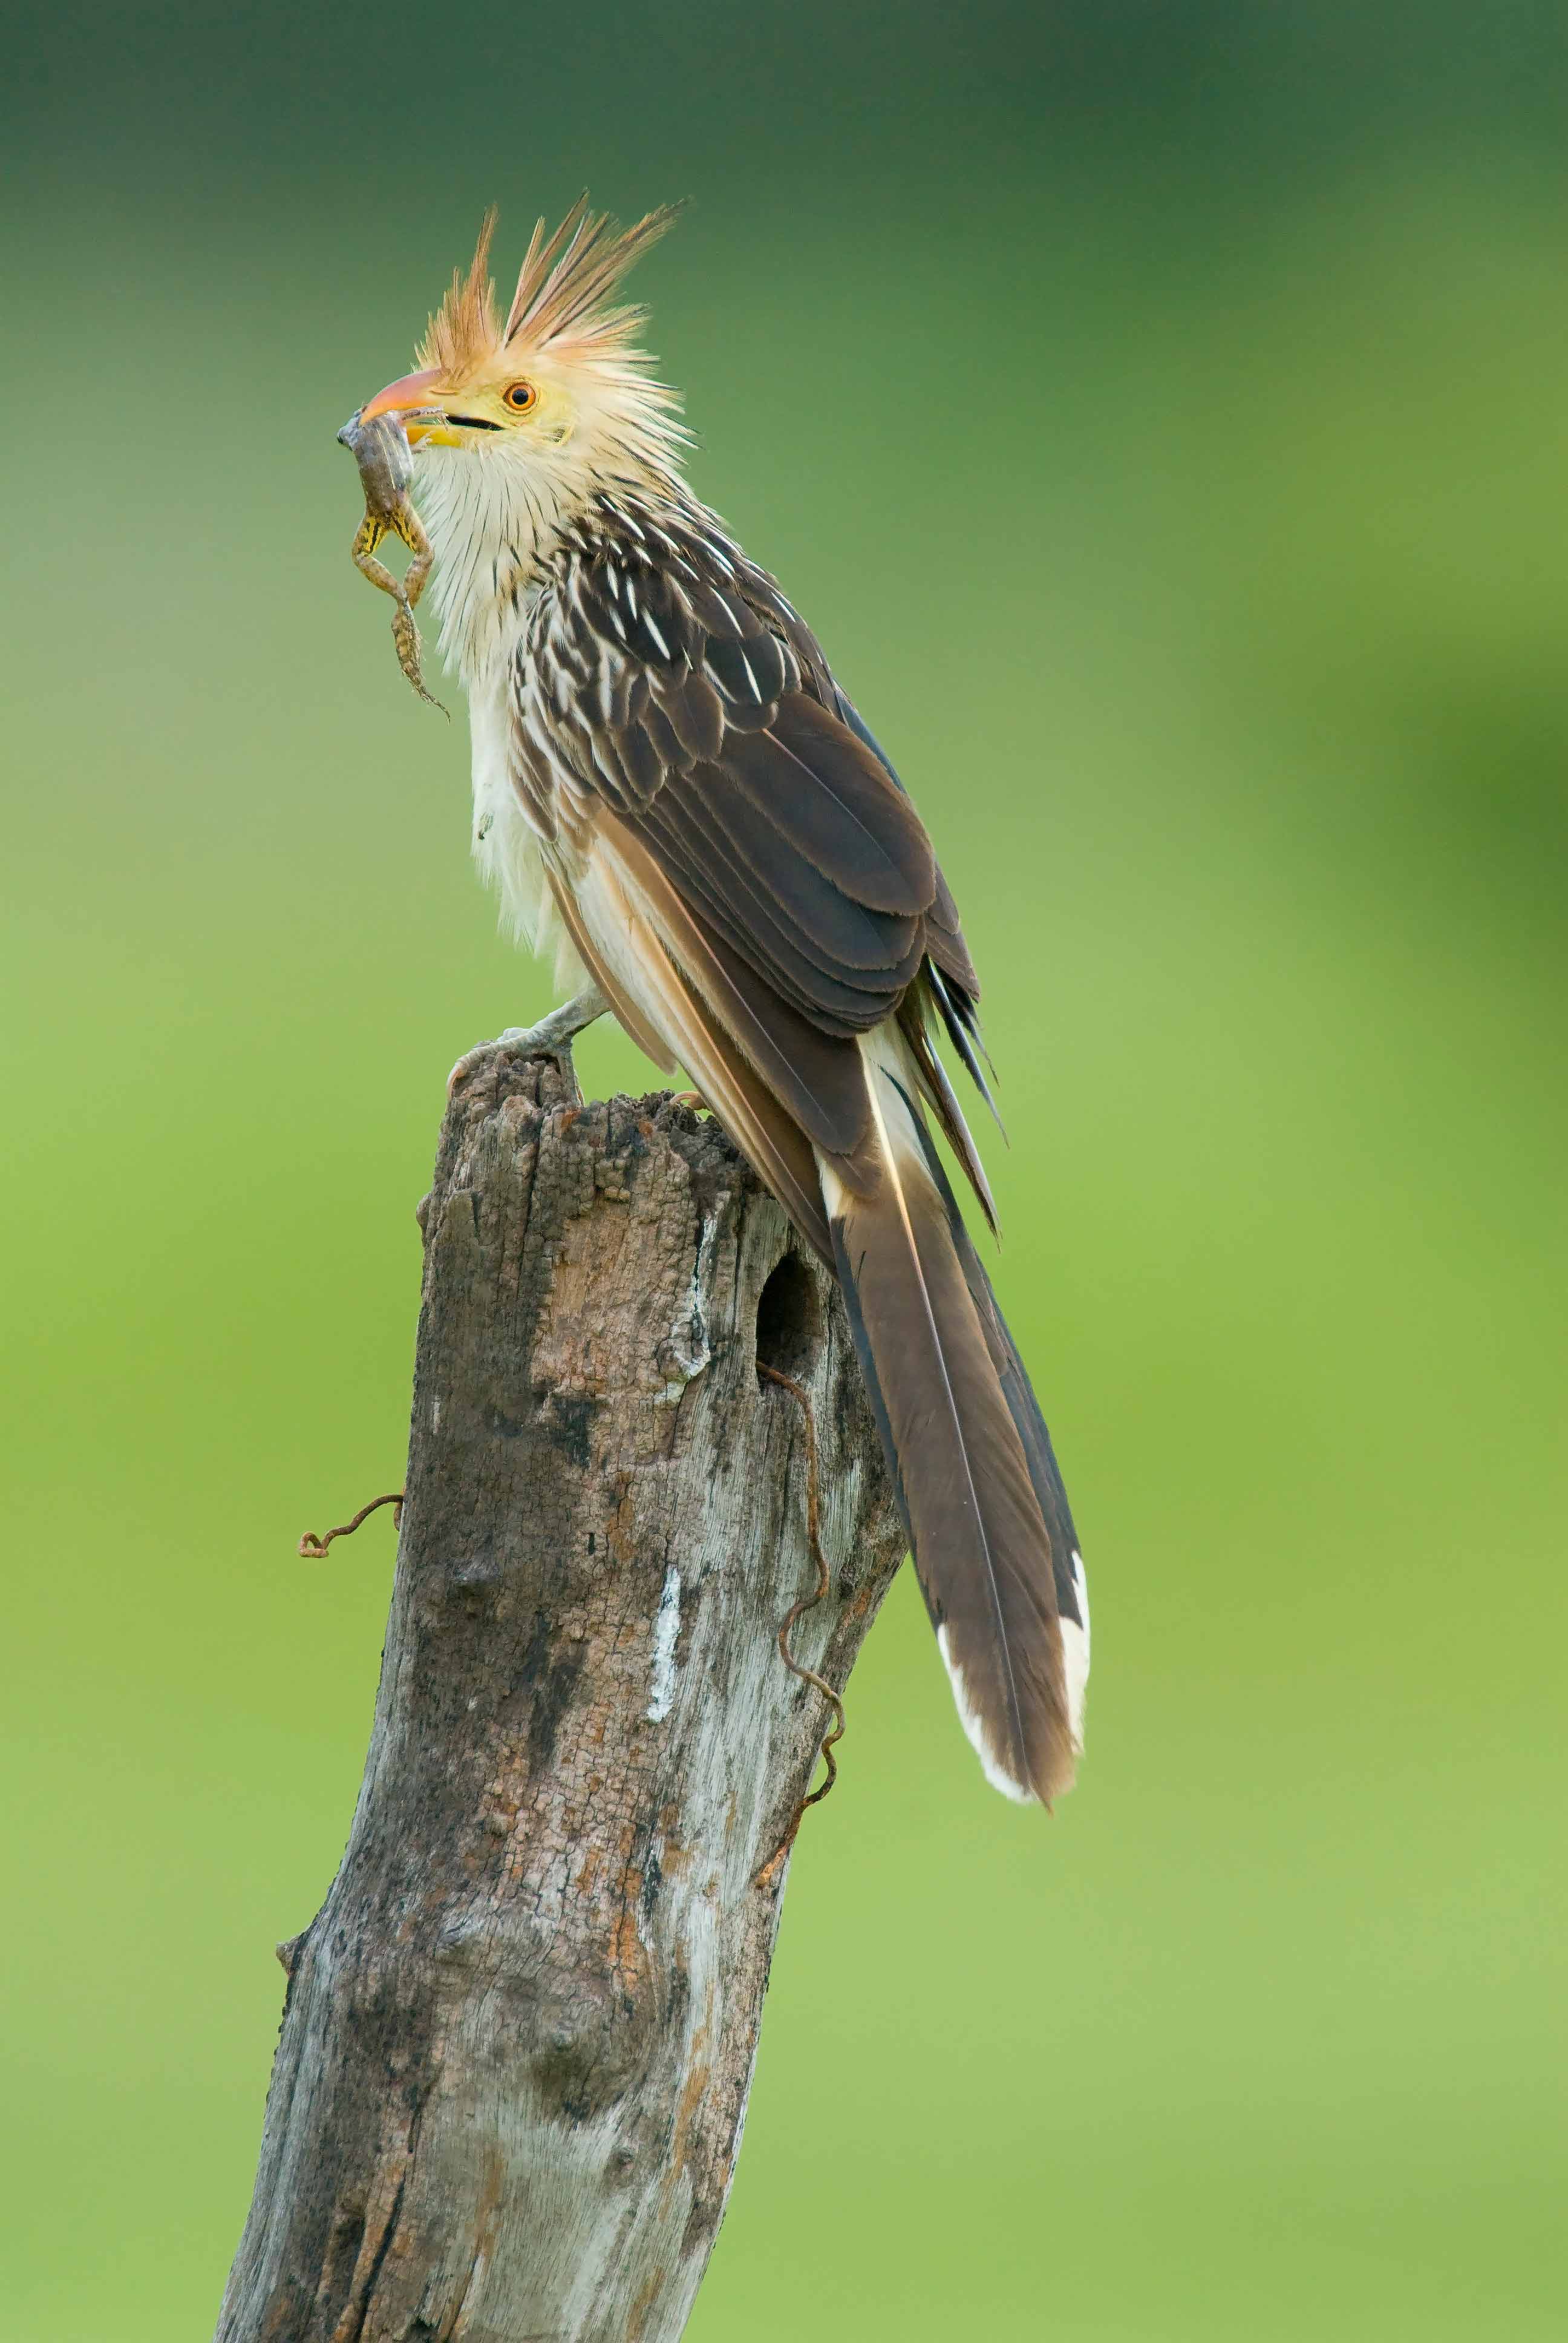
x: 672, y: 788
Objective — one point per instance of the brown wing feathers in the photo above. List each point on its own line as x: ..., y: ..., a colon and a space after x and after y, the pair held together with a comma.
x: 744, y: 872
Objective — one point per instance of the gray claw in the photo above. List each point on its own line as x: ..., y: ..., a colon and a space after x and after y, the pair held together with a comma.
x: 552, y: 1037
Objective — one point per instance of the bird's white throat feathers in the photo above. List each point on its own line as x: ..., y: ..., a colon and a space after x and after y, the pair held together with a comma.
x: 492, y: 520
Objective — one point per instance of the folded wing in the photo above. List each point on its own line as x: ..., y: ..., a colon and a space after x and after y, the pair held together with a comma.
x: 748, y: 879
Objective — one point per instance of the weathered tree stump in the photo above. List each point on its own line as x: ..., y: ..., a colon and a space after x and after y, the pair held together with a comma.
x: 518, y: 2037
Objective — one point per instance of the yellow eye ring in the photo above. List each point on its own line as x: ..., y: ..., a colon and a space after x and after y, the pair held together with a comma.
x: 519, y: 397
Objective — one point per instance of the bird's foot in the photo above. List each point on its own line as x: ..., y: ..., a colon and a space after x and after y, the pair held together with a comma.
x: 552, y: 1037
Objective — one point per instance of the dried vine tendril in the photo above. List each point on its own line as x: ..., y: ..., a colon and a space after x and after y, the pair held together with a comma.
x: 312, y: 1547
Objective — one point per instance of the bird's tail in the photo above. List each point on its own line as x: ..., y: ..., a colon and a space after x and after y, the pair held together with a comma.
x: 983, y: 1500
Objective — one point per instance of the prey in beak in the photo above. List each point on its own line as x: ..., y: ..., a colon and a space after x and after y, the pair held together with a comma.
x: 378, y: 439
x: 411, y: 401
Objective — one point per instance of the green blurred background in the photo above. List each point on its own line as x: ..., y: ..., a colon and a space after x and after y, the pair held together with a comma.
x: 1159, y: 412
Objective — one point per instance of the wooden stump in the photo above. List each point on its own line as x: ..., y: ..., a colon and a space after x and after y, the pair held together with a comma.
x: 518, y: 2037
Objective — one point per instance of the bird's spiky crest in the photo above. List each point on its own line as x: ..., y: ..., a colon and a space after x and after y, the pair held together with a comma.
x: 465, y: 329
x: 606, y: 426
x: 565, y: 281
x: 564, y: 297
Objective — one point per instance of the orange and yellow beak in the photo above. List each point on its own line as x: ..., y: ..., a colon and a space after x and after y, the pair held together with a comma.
x: 414, y: 398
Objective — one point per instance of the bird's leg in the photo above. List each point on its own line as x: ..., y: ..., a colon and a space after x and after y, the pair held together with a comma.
x: 552, y: 1037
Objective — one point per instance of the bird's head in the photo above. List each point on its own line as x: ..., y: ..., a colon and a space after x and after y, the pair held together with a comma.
x: 558, y: 390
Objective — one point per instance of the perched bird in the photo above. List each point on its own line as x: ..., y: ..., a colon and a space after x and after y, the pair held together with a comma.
x: 670, y: 784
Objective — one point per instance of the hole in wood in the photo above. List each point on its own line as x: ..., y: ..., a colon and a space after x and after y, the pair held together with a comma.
x: 789, y: 1319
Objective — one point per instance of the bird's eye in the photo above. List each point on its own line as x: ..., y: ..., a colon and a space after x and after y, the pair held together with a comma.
x: 521, y: 395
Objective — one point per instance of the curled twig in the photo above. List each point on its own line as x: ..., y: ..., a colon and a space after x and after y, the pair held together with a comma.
x: 807, y: 1602
x: 312, y: 1547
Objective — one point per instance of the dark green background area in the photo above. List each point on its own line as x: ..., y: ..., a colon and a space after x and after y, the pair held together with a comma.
x: 1159, y: 411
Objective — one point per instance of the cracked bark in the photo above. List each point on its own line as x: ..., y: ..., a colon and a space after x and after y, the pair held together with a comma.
x: 518, y: 2037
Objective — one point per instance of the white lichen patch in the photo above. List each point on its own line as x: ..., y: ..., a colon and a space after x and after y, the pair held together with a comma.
x: 665, y: 1633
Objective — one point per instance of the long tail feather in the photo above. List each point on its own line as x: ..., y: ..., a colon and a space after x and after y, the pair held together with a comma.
x: 942, y: 1098
x: 963, y: 1032
x: 1066, y: 1563
x: 970, y: 1475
